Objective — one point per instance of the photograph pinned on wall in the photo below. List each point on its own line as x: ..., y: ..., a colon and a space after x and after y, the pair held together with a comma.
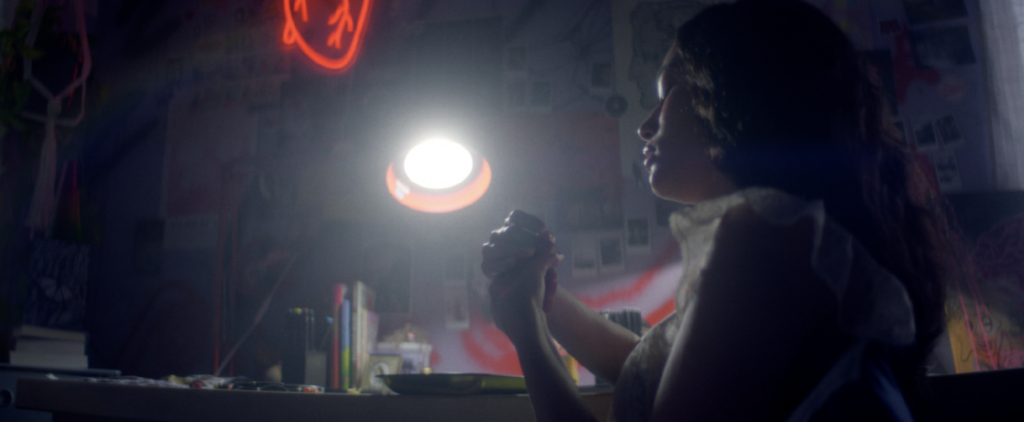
x: 942, y: 47
x: 928, y: 11
x: 584, y: 257
x: 638, y: 235
x: 612, y: 256
x: 925, y: 138
x: 932, y: 133
x: 456, y: 308
x: 591, y: 208
x: 455, y: 269
x: 948, y: 131
x: 946, y: 170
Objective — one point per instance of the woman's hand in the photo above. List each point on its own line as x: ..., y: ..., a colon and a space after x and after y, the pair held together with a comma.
x: 517, y: 270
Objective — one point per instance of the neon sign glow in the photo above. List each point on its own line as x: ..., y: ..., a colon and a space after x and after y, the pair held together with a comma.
x: 342, y: 44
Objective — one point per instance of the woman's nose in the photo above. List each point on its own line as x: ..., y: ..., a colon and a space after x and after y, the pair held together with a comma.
x: 649, y: 127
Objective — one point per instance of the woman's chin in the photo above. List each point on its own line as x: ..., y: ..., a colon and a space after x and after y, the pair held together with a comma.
x: 665, y: 192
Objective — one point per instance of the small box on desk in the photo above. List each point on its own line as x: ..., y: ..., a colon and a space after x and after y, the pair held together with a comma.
x: 304, y: 367
x: 301, y: 362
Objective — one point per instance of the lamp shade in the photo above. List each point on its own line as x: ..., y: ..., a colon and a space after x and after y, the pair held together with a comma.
x: 438, y: 176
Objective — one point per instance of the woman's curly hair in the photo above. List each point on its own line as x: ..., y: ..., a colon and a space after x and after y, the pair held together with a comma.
x: 789, y: 103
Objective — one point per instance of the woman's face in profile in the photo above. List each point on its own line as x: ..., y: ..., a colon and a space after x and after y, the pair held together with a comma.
x: 676, y: 155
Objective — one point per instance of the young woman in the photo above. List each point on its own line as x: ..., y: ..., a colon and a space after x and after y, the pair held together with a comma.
x: 813, y: 278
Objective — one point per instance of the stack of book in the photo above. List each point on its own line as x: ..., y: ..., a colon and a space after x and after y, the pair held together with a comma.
x: 48, y: 348
x: 354, y: 334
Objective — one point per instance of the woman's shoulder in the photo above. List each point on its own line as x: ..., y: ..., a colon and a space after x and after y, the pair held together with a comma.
x: 791, y: 244
x: 754, y: 254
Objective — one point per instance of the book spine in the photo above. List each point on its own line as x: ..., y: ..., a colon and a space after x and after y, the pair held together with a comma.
x: 346, y: 344
x: 335, y: 338
x: 358, y: 346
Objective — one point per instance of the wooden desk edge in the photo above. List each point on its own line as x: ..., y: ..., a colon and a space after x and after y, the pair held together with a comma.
x: 96, y: 401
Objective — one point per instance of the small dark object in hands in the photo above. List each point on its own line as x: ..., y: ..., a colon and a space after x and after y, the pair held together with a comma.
x: 522, y: 229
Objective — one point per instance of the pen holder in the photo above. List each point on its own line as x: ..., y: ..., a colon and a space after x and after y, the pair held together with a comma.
x: 301, y: 363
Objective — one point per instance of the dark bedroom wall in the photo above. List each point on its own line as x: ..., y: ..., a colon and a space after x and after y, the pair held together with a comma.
x: 215, y: 154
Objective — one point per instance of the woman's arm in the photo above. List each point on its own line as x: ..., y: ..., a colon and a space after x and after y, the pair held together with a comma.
x: 552, y: 390
x: 595, y: 341
x: 517, y: 296
x: 758, y: 303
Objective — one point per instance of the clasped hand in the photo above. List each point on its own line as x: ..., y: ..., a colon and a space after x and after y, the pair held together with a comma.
x: 520, y: 265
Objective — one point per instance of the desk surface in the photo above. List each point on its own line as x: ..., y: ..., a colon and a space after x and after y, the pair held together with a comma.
x: 80, y: 400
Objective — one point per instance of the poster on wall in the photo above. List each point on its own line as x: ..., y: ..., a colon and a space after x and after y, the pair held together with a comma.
x: 612, y: 256
x: 584, y: 257
x: 933, y: 133
x: 946, y: 170
x: 948, y: 131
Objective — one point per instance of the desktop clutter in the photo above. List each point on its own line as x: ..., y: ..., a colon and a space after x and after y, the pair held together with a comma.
x: 345, y: 354
x: 338, y: 352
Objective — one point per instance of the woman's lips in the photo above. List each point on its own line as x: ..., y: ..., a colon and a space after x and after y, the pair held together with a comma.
x: 649, y: 152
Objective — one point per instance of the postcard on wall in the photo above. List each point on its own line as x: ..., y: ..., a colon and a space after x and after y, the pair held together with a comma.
x: 942, y: 47
x: 925, y: 138
x: 612, y: 256
x: 638, y: 235
x: 456, y: 308
x: 584, y: 257
x: 946, y: 170
x: 948, y: 131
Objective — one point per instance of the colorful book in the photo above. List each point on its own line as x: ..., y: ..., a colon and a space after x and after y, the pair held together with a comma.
x: 335, y: 367
x: 362, y: 302
x: 346, y: 344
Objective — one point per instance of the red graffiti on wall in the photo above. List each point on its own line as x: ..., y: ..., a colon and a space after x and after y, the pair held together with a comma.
x: 334, y: 36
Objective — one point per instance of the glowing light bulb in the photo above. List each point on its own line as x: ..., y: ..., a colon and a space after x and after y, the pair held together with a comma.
x: 438, y: 164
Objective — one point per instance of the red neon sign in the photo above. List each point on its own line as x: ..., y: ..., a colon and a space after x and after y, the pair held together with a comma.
x: 332, y: 41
